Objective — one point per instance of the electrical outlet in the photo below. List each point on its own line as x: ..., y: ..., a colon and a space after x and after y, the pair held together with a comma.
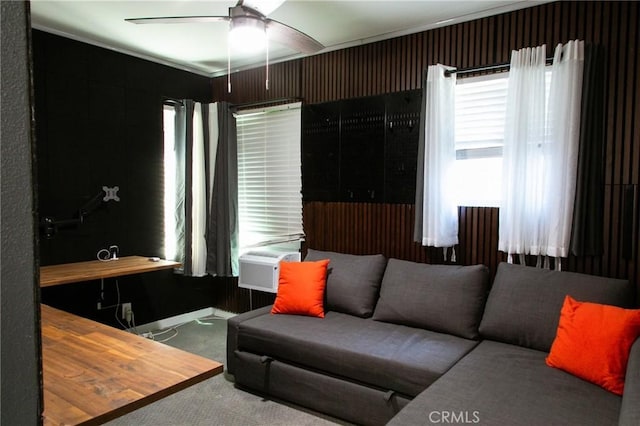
x: 126, y: 307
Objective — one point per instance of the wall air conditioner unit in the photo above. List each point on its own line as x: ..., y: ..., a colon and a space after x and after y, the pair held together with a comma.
x: 260, y: 270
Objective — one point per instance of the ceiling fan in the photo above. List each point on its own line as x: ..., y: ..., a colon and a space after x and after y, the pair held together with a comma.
x: 249, y: 15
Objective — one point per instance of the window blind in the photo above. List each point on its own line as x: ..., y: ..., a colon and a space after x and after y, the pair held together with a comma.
x: 269, y: 175
x: 480, y: 116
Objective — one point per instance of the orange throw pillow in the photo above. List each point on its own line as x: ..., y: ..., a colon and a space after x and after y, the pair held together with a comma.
x: 593, y: 342
x: 301, y: 288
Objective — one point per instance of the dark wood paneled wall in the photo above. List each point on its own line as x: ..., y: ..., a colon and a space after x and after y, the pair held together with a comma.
x: 398, y: 64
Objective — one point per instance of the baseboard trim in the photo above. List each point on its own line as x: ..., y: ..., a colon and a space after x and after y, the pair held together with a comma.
x: 165, y: 323
x: 223, y: 314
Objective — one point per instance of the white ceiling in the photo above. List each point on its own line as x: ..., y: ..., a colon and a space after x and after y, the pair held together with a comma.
x: 202, y: 48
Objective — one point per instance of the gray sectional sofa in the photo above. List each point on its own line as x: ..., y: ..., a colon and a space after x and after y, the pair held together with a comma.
x: 405, y: 343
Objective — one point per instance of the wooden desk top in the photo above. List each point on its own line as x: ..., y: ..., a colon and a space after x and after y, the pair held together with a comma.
x: 97, y: 269
x: 94, y: 373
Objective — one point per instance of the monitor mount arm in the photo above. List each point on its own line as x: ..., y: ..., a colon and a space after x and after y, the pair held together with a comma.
x: 50, y: 226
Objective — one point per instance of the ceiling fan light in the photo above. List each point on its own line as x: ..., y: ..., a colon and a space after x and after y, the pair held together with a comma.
x: 247, y: 35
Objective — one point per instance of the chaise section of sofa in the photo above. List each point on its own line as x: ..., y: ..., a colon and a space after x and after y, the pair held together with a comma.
x: 505, y: 379
x: 503, y: 384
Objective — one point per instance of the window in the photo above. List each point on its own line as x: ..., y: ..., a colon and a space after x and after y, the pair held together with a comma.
x: 269, y: 175
x: 480, y: 106
x: 479, y: 136
x: 170, y: 239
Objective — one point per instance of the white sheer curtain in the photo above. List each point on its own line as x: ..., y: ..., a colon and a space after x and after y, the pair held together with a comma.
x: 540, y: 153
x: 563, y: 124
x: 439, y: 218
x: 522, y: 155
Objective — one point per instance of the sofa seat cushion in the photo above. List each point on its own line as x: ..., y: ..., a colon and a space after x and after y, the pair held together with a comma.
x: 392, y: 357
x: 502, y: 384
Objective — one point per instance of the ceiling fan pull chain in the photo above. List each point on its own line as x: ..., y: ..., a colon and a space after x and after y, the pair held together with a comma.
x: 228, y: 68
x: 266, y: 83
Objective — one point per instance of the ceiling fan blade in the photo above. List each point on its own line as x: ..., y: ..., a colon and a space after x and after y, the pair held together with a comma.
x: 178, y: 20
x: 289, y: 36
x: 252, y: 10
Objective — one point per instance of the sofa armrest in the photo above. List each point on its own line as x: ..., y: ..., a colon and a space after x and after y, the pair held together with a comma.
x: 233, y: 324
x: 630, y: 410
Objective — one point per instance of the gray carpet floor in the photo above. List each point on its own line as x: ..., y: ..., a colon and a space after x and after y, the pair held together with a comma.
x: 216, y: 401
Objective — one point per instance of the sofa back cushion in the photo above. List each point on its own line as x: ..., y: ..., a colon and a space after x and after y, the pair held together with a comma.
x: 444, y: 298
x: 524, y: 304
x: 353, y: 281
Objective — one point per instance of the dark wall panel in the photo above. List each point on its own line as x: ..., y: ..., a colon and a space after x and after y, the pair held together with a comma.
x: 99, y: 122
x: 361, y: 149
x: 398, y: 64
